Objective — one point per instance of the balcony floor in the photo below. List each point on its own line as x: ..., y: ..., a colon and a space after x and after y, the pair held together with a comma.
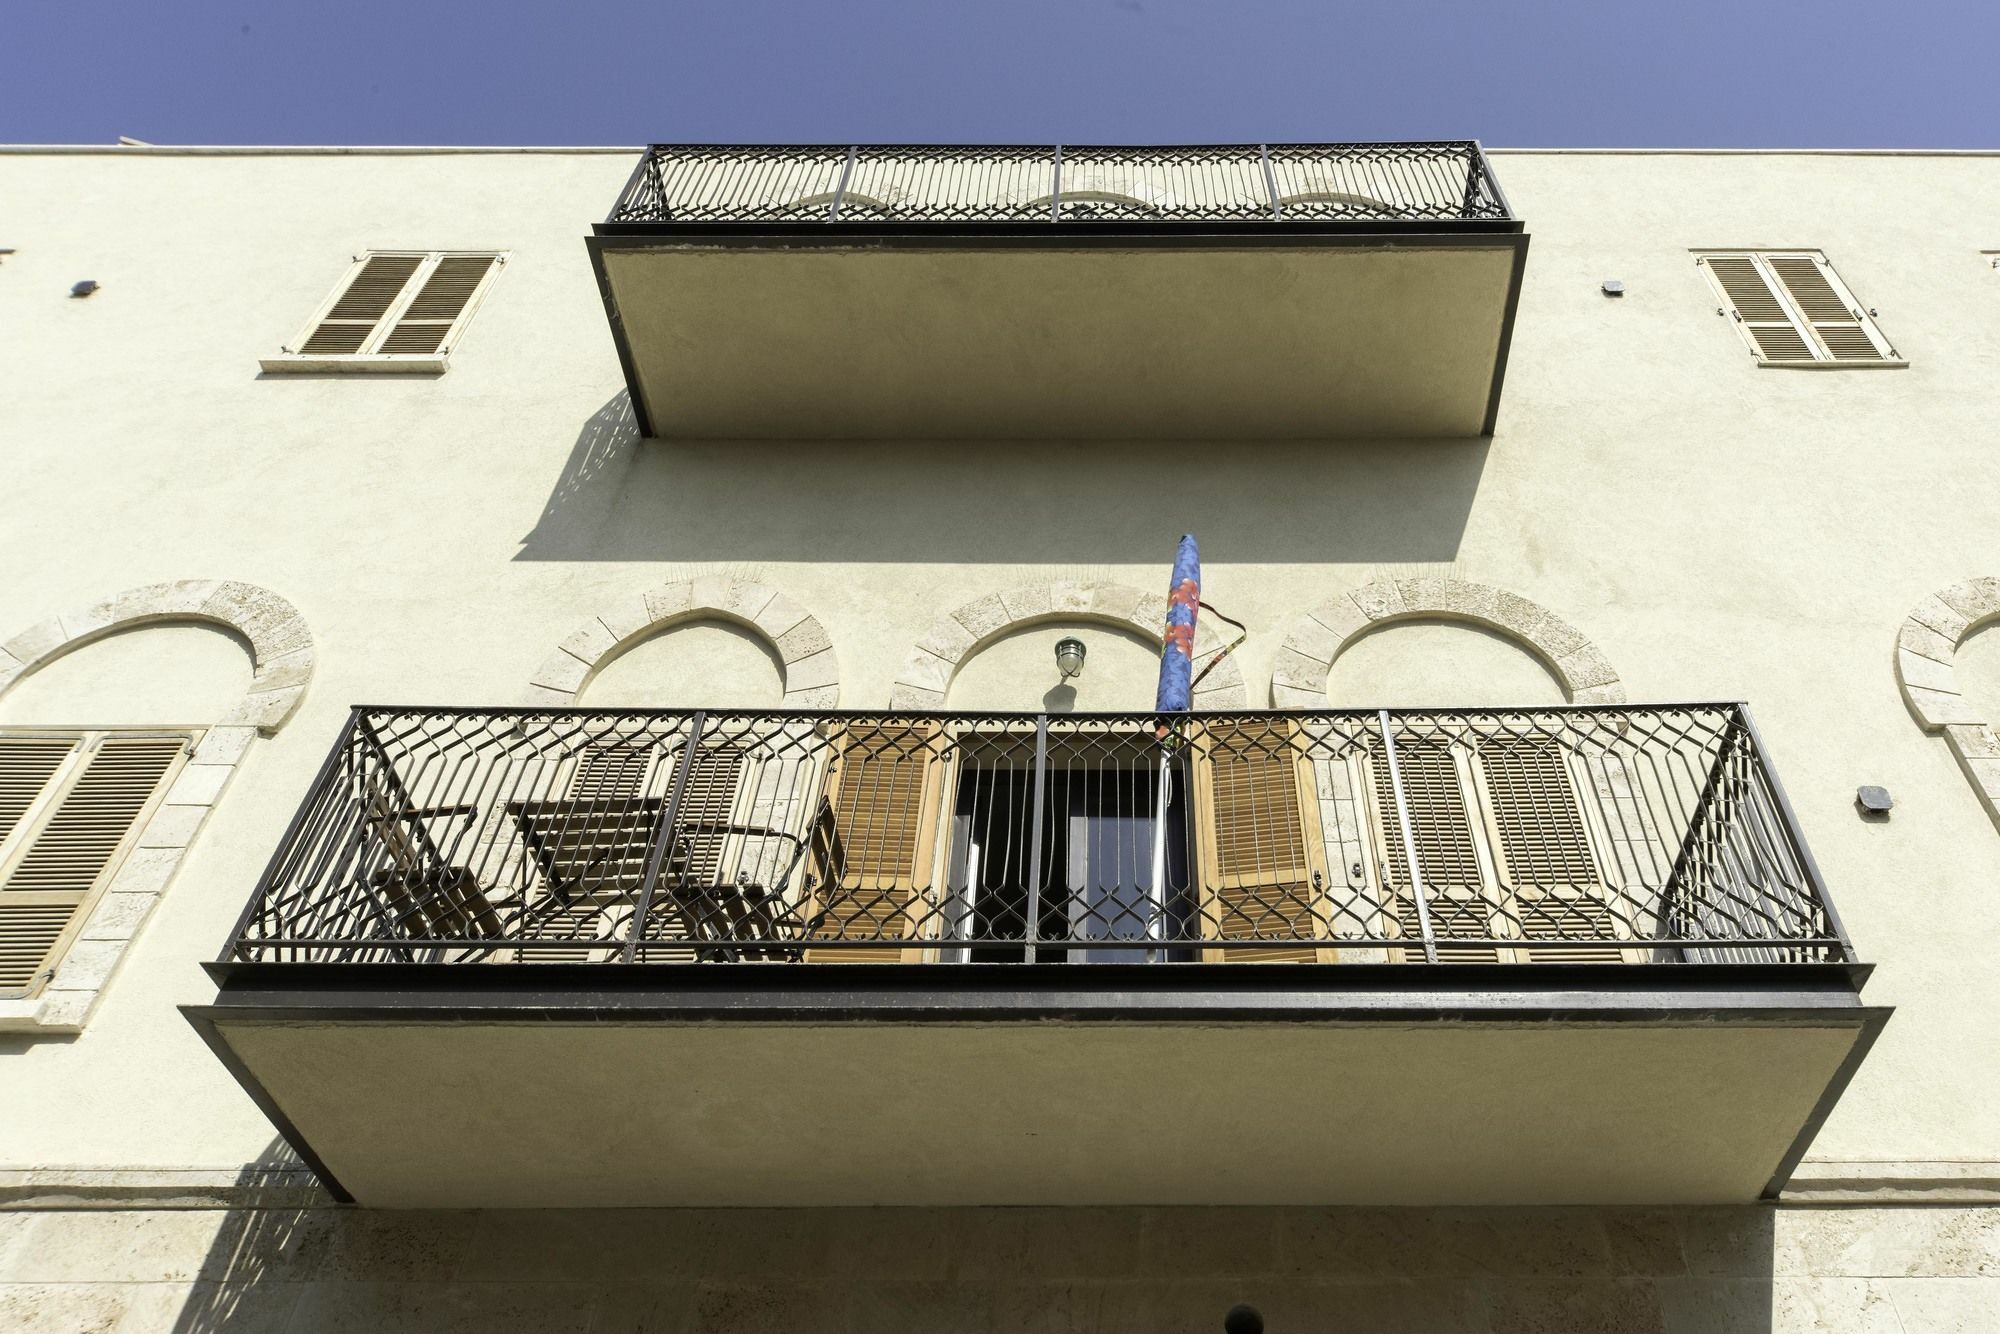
x: 524, y: 1086
x: 1136, y: 337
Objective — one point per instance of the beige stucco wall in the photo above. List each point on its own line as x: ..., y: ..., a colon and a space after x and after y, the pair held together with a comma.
x: 1716, y: 529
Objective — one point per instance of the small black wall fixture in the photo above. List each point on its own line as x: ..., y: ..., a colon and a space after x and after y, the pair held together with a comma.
x: 84, y: 288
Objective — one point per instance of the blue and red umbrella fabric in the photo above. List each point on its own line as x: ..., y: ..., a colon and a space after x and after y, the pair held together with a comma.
x: 1177, y: 655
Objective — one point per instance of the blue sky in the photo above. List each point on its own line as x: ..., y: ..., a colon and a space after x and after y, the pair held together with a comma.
x: 1838, y: 73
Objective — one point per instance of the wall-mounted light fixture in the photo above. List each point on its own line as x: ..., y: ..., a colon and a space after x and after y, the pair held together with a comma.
x: 1069, y: 657
x: 84, y: 288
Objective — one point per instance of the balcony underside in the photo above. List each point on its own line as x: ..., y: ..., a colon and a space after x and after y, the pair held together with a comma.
x: 533, y: 1086
x: 1126, y: 335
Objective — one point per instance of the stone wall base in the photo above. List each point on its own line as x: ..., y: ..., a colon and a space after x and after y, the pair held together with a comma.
x: 314, y: 1267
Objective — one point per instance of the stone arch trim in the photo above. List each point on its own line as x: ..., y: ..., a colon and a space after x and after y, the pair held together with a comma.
x: 1926, y: 656
x: 810, y: 670
x: 933, y: 662
x: 282, y: 658
x: 281, y: 647
x: 1298, y: 680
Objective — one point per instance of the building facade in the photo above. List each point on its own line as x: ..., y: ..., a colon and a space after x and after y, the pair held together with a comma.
x: 536, y: 788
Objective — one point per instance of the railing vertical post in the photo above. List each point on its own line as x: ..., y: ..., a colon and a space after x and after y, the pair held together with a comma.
x: 840, y: 187
x: 1055, y: 188
x: 1032, y: 929
x: 1271, y: 182
x: 663, y: 836
x: 1409, y: 840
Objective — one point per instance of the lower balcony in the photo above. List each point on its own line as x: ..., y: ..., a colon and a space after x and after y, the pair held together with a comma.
x: 531, y: 957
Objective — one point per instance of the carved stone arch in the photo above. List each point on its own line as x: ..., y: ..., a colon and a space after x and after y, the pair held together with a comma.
x: 810, y: 671
x: 281, y: 647
x: 281, y: 656
x: 1926, y: 666
x: 936, y: 658
x: 1298, y: 680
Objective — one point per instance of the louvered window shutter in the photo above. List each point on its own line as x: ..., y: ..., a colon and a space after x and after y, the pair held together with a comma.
x: 1261, y: 850
x: 610, y: 773
x: 1772, y: 329
x: 426, y: 323
x: 1795, y: 309
x: 70, y: 809
x: 1441, y: 827
x: 411, y: 305
x: 1839, y: 324
x: 1550, y: 883
x: 374, y: 288
x: 872, y: 854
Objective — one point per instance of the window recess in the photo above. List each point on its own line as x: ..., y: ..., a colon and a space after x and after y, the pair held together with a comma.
x: 396, y: 310
x: 1793, y: 310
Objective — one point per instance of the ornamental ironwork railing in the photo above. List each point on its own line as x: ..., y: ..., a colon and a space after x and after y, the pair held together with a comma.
x: 878, y: 184
x: 1608, y: 835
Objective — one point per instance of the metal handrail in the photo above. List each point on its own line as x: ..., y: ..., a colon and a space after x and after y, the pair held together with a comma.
x: 1643, y: 834
x: 935, y: 184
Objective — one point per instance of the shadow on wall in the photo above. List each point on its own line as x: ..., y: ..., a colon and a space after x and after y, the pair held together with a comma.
x: 276, y: 1237
x: 1161, y: 1270
x: 1100, y: 501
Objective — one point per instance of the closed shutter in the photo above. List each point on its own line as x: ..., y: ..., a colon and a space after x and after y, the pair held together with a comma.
x: 67, y: 829
x: 1795, y: 310
x: 411, y: 304
x: 1773, y: 331
x: 690, y: 902
x: 1441, y: 827
x: 1549, y: 879
x: 873, y: 853
x: 610, y: 773
x: 592, y: 847
x: 1843, y: 331
x: 424, y: 326
x: 1262, y: 853
x: 374, y: 288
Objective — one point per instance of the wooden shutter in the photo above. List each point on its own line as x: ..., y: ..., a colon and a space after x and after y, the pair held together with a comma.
x: 874, y: 850
x: 370, y: 293
x: 592, y: 847
x: 1776, y: 335
x: 1549, y: 880
x: 59, y: 859
x: 1442, y: 829
x: 425, y: 325
x: 1832, y: 314
x: 610, y: 773
x: 408, y: 304
x: 1262, y: 854
x: 1795, y: 309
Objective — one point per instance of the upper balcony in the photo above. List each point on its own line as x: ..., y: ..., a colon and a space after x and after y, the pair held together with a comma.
x: 1570, y: 955
x: 1273, y: 291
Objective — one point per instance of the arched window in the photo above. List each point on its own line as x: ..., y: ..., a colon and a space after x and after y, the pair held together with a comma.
x: 123, y: 725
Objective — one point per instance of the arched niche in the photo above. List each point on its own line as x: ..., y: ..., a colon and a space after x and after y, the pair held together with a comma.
x: 1417, y: 663
x: 1928, y: 646
x: 705, y: 662
x: 809, y: 671
x: 1017, y: 670
x: 160, y: 675
x: 927, y: 675
x: 1317, y: 639
x: 281, y: 655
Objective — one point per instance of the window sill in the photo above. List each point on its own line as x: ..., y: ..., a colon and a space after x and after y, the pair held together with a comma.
x: 381, y: 363
x: 52, y: 1014
x: 1833, y: 365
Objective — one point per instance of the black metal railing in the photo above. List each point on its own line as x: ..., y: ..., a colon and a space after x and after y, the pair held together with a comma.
x: 1629, y: 834
x: 1449, y: 181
